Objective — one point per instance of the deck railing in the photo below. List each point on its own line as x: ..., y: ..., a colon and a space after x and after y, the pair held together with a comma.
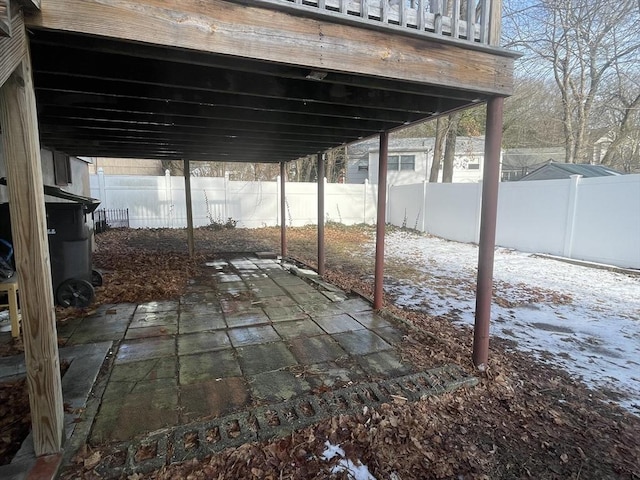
x: 476, y: 21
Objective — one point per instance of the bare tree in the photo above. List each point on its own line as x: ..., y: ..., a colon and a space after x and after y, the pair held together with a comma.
x: 582, y: 42
x: 450, y: 147
x: 442, y: 125
x: 622, y: 109
x: 532, y: 116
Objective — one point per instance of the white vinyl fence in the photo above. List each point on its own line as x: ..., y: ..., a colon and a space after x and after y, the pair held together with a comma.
x: 595, y: 219
x: 155, y: 202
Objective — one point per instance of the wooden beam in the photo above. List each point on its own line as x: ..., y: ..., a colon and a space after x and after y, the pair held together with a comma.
x: 187, y: 191
x: 13, y: 48
x: 222, y: 27
x: 29, y: 230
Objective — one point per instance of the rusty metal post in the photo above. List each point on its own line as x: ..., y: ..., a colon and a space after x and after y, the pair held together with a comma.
x: 283, y: 212
x: 321, y: 251
x: 486, y: 246
x: 380, y: 223
x: 187, y: 193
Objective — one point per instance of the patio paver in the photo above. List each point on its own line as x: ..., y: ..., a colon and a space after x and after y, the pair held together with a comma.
x: 213, y: 397
x: 277, y: 386
x: 248, y: 334
x: 146, y: 348
x: 253, y: 335
x: 297, y: 328
x: 310, y: 350
x: 208, y: 366
x: 361, y: 342
x: 267, y: 357
x: 192, y: 323
x: 338, y: 323
x: 202, y: 342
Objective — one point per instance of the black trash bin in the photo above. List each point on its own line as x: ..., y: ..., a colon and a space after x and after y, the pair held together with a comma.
x: 70, y: 254
x: 69, y: 251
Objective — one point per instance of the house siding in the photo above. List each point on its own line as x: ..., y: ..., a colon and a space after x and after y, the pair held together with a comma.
x: 79, y: 176
x: 469, y: 151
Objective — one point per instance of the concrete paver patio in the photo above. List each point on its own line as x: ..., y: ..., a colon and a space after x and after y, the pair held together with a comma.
x: 246, y: 333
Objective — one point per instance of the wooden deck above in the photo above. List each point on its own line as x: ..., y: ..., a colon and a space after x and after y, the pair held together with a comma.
x: 259, y: 81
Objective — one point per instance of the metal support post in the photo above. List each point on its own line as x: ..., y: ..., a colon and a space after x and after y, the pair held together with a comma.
x: 380, y: 224
x: 486, y: 247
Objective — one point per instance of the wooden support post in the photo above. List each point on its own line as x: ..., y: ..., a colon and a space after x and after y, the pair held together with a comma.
x: 187, y: 191
x: 283, y: 212
x: 321, y: 251
x: 20, y: 137
x: 378, y: 294
x: 486, y: 246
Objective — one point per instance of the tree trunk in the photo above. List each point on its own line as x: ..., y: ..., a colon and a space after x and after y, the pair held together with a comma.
x: 441, y: 131
x: 450, y: 148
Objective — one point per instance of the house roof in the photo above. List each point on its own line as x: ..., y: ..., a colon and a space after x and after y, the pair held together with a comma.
x: 555, y: 170
x: 517, y: 158
x: 463, y: 144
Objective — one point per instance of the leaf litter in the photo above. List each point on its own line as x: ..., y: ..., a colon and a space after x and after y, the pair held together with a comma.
x: 526, y: 419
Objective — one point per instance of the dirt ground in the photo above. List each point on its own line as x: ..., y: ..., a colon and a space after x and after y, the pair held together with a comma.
x: 524, y: 420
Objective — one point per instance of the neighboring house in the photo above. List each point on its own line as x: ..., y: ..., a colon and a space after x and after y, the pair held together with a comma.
x: 410, y: 160
x: 126, y: 166
x: 518, y: 162
x: 554, y: 171
x: 71, y: 174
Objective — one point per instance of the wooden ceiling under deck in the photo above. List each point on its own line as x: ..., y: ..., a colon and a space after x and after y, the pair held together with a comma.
x: 122, y: 97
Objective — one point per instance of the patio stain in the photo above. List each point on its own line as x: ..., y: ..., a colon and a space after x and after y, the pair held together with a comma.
x: 297, y: 328
x: 204, y: 367
x: 277, y: 386
x: 248, y: 334
x: 265, y: 358
x: 213, y: 397
x: 310, y: 350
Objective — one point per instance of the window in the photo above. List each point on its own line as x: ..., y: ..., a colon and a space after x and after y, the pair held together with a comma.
x: 401, y: 162
x: 363, y: 165
x: 473, y: 166
x: 408, y: 162
x: 61, y: 168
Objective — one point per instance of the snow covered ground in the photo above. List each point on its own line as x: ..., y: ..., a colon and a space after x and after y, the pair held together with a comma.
x: 583, y: 319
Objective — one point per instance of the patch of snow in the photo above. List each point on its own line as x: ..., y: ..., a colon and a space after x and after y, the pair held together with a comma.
x: 355, y: 470
x: 587, y: 320
x: 332, y: 451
